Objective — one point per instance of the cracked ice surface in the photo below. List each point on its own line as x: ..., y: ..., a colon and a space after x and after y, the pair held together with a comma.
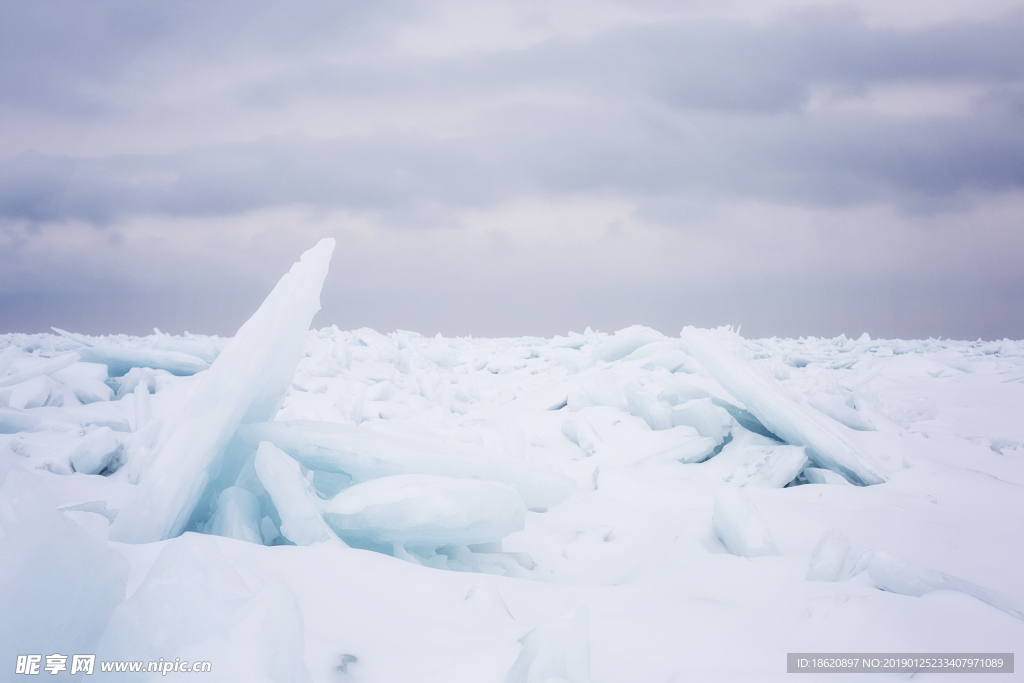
x: 592, y: 507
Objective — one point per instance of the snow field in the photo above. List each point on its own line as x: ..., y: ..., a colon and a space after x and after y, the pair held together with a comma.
x: 327, y: 505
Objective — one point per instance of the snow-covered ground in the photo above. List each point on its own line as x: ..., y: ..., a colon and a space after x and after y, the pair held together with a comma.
x: 613, y: 508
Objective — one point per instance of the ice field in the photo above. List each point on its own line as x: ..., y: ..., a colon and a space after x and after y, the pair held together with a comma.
x: 325, y: 505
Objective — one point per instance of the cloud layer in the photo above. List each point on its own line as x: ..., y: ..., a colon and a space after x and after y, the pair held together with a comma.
x: 515, y: 169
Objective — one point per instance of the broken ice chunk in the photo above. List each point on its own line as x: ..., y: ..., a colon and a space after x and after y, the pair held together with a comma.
x: 91, y: 392
x: 140, y: 450
x: 133, y: 378
x: 579, y: 430
x: 739, y: 526
x: 836, y: 408
x: 293, y: 496
x: 87, y: 381
x: 625, y: 342
x: 96, y: 451
x: 33, y: 393
x: 14, y: 421
x: 600, y: 388
x: 365, y: 454
x: 120, y: 360
x: 7, y: 358
x: 1009, y: 348
x: 627, y: 440
x: 673, y: 361
x: 828, y: 444
x: 237, y: 515
x: 45, y: 367
x: 77, y: 338
x: 245, y: 384
x: 655, y: 412
x: 329, y: 484
x: 708, y: 419
x: 204, y: 349
x: 748, y: 461
x: 681, y: 393
x: 104, y: 414
x: 96, y: 507
x: 143, y: 406
x: 816, y: 475
x: 830, y: 557
x: 420, y: 510
x: 745, y: 419
x: 896, y: 575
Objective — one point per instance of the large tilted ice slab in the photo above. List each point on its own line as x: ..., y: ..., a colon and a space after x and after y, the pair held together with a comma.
x: 421, y: 510
x: 245, y: 384
x: 829, y: 444
x: 365, y: 454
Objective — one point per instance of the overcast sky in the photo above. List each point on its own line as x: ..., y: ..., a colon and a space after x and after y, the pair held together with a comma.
x: 515, y: 168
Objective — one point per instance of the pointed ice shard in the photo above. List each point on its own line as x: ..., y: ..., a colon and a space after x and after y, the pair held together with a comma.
x: 245, y: 384
x: 829, y: 444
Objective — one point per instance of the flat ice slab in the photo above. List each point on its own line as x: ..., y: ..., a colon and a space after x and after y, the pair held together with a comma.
x: 365, y: 454
x: 424, y: 511
x: 120, y: 361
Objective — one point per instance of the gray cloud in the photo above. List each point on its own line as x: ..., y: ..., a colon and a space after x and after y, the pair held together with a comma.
x: 325, y: 105
x: 830, y: 159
